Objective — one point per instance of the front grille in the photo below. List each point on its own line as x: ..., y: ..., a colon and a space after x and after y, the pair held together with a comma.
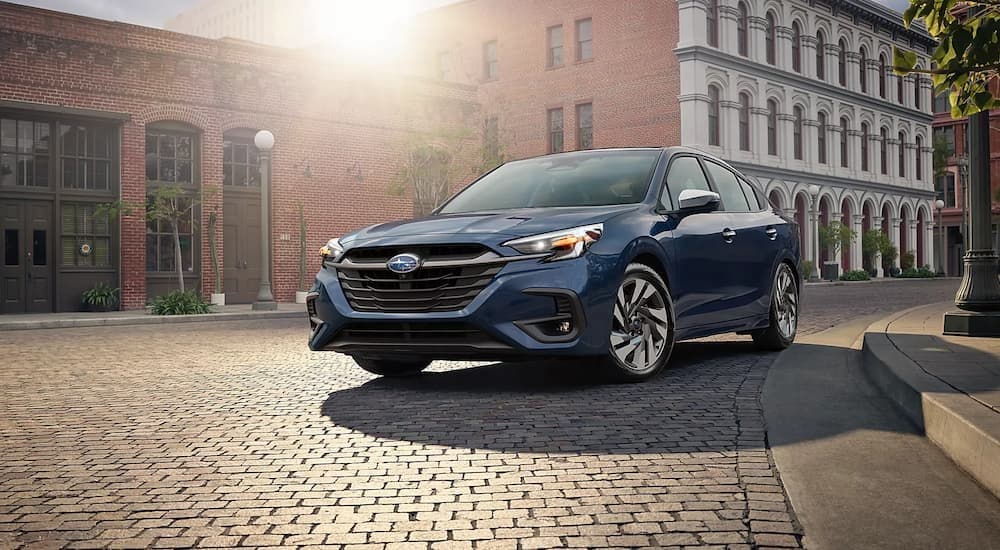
x: 443, y: 339
x: 448, y: 284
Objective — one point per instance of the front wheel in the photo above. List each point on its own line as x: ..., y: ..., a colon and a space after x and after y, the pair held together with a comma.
x: 784, y: 313
x: 392, y: 367
x: 642, y: 325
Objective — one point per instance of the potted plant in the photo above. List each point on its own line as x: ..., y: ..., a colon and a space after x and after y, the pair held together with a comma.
x: 100, y: 297
x: 218, y: 298
x: 300, y: 294
x: 834, y: 237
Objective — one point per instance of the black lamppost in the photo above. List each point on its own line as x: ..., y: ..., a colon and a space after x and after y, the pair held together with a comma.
x: 264, y: 140
x: 979, y: 294
x: 939, y: 204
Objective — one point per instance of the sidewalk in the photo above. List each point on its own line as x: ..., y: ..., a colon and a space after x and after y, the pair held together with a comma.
x: 240, y: 312
x: 876, y: 280
x: 948, y: 385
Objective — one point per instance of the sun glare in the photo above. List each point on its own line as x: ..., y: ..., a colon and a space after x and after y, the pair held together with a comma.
x: 372, y: 28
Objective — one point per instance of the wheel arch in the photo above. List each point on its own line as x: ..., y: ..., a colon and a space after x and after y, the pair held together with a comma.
x: 649, y: 253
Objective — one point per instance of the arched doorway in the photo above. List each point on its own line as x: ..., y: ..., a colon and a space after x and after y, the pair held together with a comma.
x: 846, y: 215
x: 241, y: 216
x: 921, y: 227
x: 801, y: 216
x: 824, y: 221
x: 775, y: 197
x: 905, y: 246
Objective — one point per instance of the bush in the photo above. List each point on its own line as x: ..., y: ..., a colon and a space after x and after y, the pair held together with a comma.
x: 856, y: 275
x: 179, y: 303
x: 917, y: 273
x: 808, y: 267
x: 101, y: 297
x: 906, y: 261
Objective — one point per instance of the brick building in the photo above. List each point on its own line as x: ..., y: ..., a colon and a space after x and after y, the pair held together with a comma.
x: 950, y: 185
x: 93, y: 111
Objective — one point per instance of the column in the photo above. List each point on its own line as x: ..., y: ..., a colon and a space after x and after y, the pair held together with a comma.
x: 929, y: 245
x: 877, y: 260
x: 908, y: 84
x: 856, y: 260
x: 807, y: 47
x: 786, y: 129
x: 892, y: 154
x: 894, y: 234
x: 692, y: 28
x: 814, y: 237
x: 911, y: 240
x: 836, y: 216
x: 853, y: 80
x: 833, y: 144
x: 783, y: 48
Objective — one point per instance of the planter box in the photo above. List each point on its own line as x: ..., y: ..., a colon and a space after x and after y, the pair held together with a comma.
x: 831, y: 271
x: 300, y: 296
x: 218, y: 299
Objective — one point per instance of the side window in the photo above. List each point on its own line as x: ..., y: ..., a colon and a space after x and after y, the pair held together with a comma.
x: 684, y: 173
x: 752, y: 197
x: 733, y: 199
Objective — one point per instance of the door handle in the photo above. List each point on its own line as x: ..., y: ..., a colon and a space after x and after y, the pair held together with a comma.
x: 772, y: 233
x: 728, y: 235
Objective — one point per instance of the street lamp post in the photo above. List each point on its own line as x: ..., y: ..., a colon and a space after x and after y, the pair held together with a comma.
x: 941, y: 251
x: 814, y: 234
x: 979, y: 294
x: 963, y: 179
x: 264, y: 140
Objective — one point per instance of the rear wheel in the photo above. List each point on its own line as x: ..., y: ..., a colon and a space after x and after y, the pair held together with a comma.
x: 642, y: 325
x: 383, y: 366
x: 784, y: 314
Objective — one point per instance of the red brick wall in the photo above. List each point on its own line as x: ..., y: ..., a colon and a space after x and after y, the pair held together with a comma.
x: 346, y: 128
x: 633, y: 79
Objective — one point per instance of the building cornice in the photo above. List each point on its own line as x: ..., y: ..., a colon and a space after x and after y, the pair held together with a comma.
x: 786, y: 174
x: 705, y: 53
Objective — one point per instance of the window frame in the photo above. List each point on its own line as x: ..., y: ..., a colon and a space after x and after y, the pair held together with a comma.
x: 884, y: 150
x: 712, y: 23
x: 665, y: 185
x: 821, y: 145
x: 714, y: 115
x: 551, y: 133
x: 845, y: 146
x: 744, y: 121
x: 796, y: 47
x: 772, y: 127
x: 798, y: 149
x: 863, y: 69
x: 865, y: 132
x: 743, y: 29
x: 919, y: 168
x: 820, y: 55
x: 551, y: 47
x: 881, y: 75
x: 53, y: 175
x: 580, y: 43
x: 193, y: 188
x: 580, y: 128
x: 901, y: 171
x: 491, y: 64
x: 842, y: 62
x: 770, y: 38
x: 739, y: 187
x: 245, y: 138
x: 90, y: 234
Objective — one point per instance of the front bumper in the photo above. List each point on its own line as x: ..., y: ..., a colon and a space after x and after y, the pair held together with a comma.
x: 523, y: 312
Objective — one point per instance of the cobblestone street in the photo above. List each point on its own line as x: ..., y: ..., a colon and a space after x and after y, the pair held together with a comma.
x: 223, y: 434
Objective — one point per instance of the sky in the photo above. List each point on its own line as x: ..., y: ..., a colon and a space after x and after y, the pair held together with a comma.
x: 154, y: 13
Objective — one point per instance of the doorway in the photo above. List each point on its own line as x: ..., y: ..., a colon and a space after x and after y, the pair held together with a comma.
x: 26, y: 267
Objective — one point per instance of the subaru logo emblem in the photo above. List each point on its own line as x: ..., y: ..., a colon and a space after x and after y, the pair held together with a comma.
x: 403, y: 263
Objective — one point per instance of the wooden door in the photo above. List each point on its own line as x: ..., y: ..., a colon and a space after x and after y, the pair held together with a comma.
x: 241, y: 244
x: 26, y: 265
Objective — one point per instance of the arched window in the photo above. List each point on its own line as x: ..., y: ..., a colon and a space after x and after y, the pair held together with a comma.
x: 919, y: 143
x: 843, y: 141
x: 742, y: 29
x: 713, y: 115
x: 916, y: 92
x: 884, y: 149
x: 863, y: 69
x: 796, y: 47
x: 744, y: 121
x: 712, y: 22
x: 842, y: 63
x: 772, y: 127
x: 899, y: 89
x: 797, y: 132
x: 770, y: 32
x: 881, y: 75
x: 821, y: 139
x: 864, y: 146
x: 820, y: 55
x: 902, y: 155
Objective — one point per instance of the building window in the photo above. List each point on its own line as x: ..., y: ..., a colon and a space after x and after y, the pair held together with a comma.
x: 916, y: 92
x: 24, y: 153
x: 899, y: 89
x: 945, y: 187
x: 742, y: 28
x: 554, y: 35
x: 919, y: 143
x: 712, y: 23
x: 884, y: 149
x: 443, y: 65
x: 490, y: 64
x: 881, y: 76
x: 843, y: 142
x: 772, y: 127
x: 584, y: 40
x: 770, y: 30
x: 713, y: 115
x: 797, y: 132
x: 946, y: 137
x: 863, y: 69
x: 744, y: 121
x: 820, y: 55
x: 942, y: 104
x: 556, y: 130
x: 796, y: 47
x: 902, y: 155
x: 821, y: 139
x: 240, y: 163
x: 82, y: 225
x: 169, y: 157
x: 842, y: 63
x: 584, y: 126
x: 160, y: 251
x: 85, y: 158
x: 864, y: 146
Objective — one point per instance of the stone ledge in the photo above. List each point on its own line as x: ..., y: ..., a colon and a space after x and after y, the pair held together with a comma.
x: 143, y: 319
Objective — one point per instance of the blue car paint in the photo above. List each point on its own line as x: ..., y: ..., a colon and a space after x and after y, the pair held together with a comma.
x: 716, y: 287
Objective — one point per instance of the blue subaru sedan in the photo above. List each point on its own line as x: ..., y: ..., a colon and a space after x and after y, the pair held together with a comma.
x: 613, y: 254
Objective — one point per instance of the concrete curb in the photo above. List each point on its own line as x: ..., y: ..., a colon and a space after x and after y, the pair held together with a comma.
x: 149, y: 320
x: 964, y: 429
x: 876, y: 281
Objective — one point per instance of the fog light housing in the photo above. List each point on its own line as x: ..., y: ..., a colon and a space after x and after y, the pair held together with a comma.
x: 565, y: 325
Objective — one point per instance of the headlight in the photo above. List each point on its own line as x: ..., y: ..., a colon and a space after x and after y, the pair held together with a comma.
x: 563, y: 245
x: 331, y: 251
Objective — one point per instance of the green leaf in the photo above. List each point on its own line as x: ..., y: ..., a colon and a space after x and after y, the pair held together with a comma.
x: 903, y: 61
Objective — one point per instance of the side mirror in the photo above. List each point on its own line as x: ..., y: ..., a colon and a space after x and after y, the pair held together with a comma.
x: 694, y: 199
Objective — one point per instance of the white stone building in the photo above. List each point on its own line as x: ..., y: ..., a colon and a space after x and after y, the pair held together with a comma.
x: 798, y: 94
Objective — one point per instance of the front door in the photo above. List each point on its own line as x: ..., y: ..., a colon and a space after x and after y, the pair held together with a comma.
x: 241, y: 246
x: 26, y: 270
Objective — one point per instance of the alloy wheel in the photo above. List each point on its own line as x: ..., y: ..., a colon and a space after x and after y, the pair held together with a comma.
x: 786, y: 303
x: 640, y: 329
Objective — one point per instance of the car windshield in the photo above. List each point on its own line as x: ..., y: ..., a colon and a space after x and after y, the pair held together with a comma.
x: 585, y: 178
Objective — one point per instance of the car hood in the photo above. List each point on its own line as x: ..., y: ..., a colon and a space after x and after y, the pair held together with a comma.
x: 485, y: 227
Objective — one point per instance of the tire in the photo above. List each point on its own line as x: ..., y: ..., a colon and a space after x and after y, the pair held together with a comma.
x: 783, y: 316
x: 642, y: 326
x: 392, y: 367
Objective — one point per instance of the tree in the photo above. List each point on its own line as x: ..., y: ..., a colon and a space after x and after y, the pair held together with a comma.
x: 835, y: 237
x: 941, y: 153
x: 429, y: 167
x: 967, y: 58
